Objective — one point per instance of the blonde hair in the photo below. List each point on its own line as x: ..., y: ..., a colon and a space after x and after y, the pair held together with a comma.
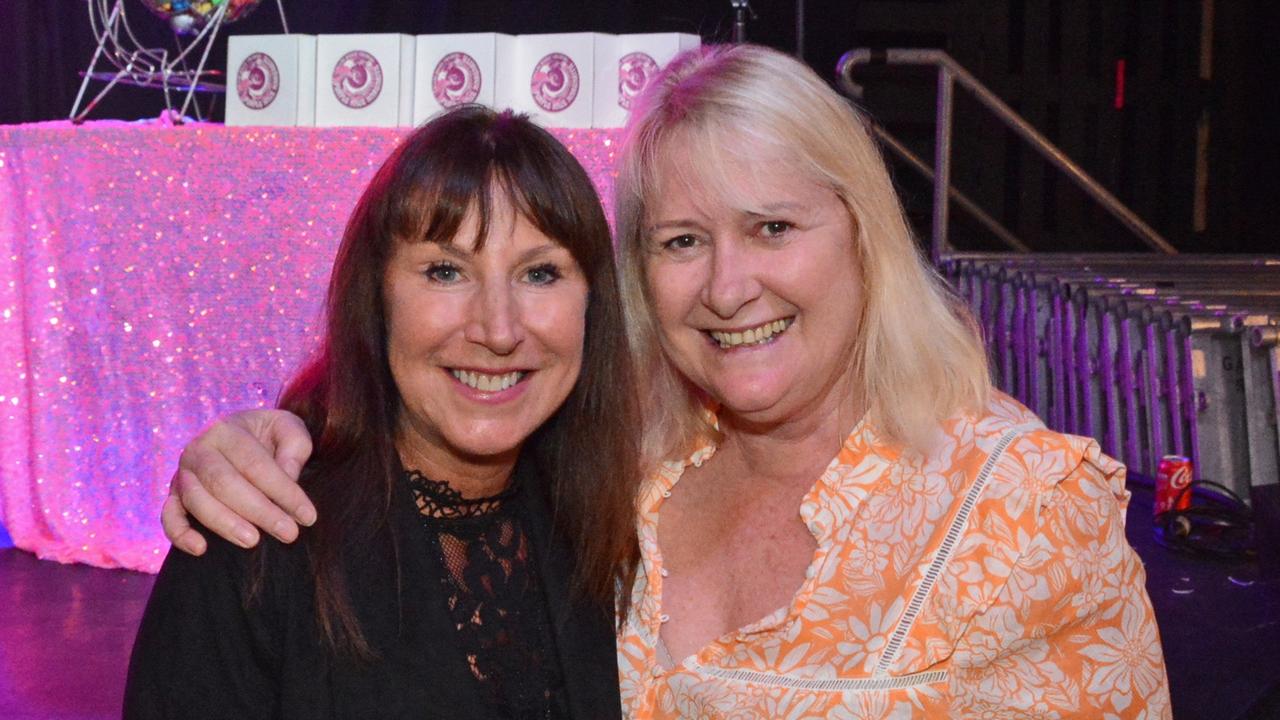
x: 918, y: 358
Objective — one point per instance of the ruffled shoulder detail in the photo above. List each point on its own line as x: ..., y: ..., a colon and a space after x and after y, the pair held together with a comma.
x: 1060, y: 607
x: 1016, y: 470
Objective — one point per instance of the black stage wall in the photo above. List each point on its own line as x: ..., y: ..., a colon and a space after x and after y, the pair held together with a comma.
x: 1190, y: 143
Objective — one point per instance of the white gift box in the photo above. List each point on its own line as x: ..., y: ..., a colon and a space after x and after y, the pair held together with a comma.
x: 624, y: 66
x: 364, y: 80
x: 271, y: 80
x: 456, y: 69
x: 552, y: 78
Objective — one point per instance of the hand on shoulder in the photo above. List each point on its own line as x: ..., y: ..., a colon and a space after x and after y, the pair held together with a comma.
x: 241, y: 472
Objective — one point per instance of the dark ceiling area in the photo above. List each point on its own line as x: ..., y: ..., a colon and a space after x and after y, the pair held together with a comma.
x: 1170, y: 105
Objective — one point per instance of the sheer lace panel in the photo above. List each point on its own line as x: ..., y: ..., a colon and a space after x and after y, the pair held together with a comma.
x: 494, y: 597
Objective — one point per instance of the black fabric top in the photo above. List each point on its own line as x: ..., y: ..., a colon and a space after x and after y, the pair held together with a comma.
x: 473, y: 619
x: 494, y: 597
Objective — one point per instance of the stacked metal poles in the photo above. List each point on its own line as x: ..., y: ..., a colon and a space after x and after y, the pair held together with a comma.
x: 1152, y: 355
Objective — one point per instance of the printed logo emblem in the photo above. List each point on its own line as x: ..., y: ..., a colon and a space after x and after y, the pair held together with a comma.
x: 555, y: 82
x: 357, y: 79
x: 456, y: 80
x: 257, y: 81
x: 634, y: 72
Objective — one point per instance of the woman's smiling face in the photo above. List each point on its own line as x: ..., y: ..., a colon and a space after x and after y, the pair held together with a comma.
x: 757, y: 296
x: 484, y: 344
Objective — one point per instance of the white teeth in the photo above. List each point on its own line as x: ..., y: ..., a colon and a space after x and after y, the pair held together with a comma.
x: 487, y: 383
x: 753, y: 336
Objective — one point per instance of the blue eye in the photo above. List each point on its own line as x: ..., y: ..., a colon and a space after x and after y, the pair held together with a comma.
x: 443, y: 272
x: 543, y: 274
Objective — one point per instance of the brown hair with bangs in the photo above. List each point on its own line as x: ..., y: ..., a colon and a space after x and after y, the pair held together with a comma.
x: 588, y: 450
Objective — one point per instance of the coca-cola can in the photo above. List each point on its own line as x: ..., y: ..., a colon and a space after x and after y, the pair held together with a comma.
x: 1172, y: 479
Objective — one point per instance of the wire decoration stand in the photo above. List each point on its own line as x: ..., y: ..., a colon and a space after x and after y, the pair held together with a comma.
x: 127, y: 61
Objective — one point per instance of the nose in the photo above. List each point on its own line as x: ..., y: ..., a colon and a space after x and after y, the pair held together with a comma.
x: 495, y: 319
x: 733, y: 282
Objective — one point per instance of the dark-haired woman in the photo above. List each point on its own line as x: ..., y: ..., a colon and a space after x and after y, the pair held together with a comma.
x: 467, y: 556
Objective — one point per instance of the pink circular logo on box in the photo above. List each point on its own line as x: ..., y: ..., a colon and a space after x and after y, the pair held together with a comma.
x: 257, y: 81
x: 634, y: 73
x: 555, y: 82
x: 456, y: 80
x: 357, y: 79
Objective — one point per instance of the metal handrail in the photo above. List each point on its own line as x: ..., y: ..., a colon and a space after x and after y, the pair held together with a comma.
x: 949, y: 73
x: 1000, y: 231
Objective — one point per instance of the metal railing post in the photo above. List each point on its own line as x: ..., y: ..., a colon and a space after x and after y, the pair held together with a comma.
x: 949, y: 73
x: 942, y: 163
x: 88, y: 75
x: 740, y: 10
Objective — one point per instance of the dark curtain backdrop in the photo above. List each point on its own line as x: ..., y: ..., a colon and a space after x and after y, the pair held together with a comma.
x: 45, y: 43
x: 1053, y: 60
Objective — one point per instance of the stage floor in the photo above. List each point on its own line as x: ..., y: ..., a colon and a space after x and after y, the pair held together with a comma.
x: 66, y: 631
x: 65, y: 636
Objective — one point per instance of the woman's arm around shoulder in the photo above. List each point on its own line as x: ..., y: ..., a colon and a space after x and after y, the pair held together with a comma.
x: 1072, y: 631
x: 241, y: 472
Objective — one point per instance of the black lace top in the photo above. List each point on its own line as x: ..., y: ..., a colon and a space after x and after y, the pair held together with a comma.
x: 494, y: 597
x: 468, y: 610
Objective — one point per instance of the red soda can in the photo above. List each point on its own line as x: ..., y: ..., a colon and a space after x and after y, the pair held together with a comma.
x: 1172, y: 479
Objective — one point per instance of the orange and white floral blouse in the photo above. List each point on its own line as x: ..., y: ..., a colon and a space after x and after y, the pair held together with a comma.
x: 991, y: 579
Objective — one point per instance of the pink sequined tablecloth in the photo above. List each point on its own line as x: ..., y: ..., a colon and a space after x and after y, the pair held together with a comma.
x: 151, y: 280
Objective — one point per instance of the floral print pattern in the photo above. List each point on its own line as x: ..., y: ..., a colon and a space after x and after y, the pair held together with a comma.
x: 987, y: 578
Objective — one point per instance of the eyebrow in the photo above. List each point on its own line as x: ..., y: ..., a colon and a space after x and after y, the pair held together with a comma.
x: 777, y: 207
x: 671, y: 224
x: 448, y: 248
x: 542, y: 249
x: 548, y: 247
x: 764, y: 211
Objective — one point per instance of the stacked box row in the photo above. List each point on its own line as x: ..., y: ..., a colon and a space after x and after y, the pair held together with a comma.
x: 571, y: 80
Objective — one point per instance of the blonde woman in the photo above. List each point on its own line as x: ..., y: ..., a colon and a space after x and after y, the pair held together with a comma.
x: 844, y: 519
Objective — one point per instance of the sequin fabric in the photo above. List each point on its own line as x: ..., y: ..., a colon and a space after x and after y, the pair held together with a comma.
x: 152, y: 279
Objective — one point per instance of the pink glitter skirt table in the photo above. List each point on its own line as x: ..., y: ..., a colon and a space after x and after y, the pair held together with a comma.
x: 152, y: 279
